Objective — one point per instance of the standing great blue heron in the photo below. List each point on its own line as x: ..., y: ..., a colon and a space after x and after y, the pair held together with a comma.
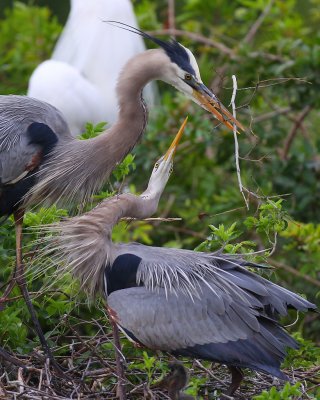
x: 80, y: 78
x: 203, y: 305
x: 39, y: 158
x: 41, y: 161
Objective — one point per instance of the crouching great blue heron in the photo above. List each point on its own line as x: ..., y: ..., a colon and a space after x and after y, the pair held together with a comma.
x: 203, y: 305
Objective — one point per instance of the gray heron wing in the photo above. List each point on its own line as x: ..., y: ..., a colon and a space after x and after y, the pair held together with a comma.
x: 237, y: 336
x: 174, y: 321
x: 178, y: 270
x: 18, y: 154
x: 200, y: 304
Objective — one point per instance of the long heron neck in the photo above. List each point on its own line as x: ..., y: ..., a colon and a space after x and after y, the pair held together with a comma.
x: 78, y: 168
x: 108, y: 213
x: 85, y: 241
x: 118, y: 141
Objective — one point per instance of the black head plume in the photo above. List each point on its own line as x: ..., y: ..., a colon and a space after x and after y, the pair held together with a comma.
x: 173, y: 49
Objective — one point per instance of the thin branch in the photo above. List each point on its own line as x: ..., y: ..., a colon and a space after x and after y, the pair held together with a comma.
x: 152, y: 219
x: 272, y: 114
x: 294, y: 272
x: 276, y: 81
x: 198, y: 38
x: 214, y: 43
x: 292, y: 134
x: 171, y: 15
x: 235, y: 134
x: 186, y: 232
x: 255, y: 27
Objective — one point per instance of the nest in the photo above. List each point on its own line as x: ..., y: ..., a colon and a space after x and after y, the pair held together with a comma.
x: 89, y: 372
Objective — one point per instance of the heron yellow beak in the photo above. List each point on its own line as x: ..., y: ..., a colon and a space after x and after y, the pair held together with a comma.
x: 173, y: 147
x: 212, y: 104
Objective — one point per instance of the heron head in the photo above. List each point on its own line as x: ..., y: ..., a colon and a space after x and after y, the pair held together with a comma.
x: 180, y: 69
x: 164, y: 166
x: 182, y: 72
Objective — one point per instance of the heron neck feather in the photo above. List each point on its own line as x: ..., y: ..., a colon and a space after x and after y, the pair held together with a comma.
x: 78, y: 168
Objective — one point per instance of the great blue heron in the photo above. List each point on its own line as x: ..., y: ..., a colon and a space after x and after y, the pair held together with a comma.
x: 80, y: 78
x: 41, y: 161
x: 202, y: 305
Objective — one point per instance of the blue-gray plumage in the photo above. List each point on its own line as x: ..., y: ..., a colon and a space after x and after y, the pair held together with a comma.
x: 203, y: 305
x: 44, y: 163
x: 74, y: 169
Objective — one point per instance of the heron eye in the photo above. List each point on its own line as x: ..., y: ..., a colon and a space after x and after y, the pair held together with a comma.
x: 156, y: 165
x: 188, y: 77
x: 171, y: 169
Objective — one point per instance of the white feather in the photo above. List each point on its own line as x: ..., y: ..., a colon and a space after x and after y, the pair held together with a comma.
x: 81, y: 78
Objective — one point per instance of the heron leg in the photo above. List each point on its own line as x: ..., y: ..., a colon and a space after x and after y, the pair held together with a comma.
x: 21, y: 281
x: 12, y: 280
x: 236, y: 379
x: 121, y: 389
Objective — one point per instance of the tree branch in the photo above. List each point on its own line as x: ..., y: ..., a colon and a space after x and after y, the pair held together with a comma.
x: 171, y: 15
x: 235, y: 134
x: 292, y: 134
x: 294, y: 272
x: 197, y: 37
x: 255, y: 27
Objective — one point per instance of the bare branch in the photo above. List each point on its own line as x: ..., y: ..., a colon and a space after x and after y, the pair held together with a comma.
x: 293, y: 271
x: 255, y: 27
x: 235, y: 134
x: 272, y: 114
x: 171, y: 15
x: 196, y: 37
x: 153, y: 219
x: 292, y: 134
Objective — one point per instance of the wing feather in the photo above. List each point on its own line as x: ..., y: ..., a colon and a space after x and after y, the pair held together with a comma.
x: 225, y: 276
x: 167, y: 322
x: 16, y: 115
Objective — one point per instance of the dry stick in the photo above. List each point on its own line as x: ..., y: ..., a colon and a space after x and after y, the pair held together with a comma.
x: 235, y: 134
x: 11, y: 359
x: 152, y: 219
x: 87, y: 345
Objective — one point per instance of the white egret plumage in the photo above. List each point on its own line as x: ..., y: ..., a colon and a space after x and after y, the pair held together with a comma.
x: 80, y: 78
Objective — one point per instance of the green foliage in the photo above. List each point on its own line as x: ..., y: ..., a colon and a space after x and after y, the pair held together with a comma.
x: 27, y: 35
x: 289, y: 392
x: 203, y: 190
x: 148, y: 365
x: 13, y: 332
x: 271, y: 218
x: 194, y: 386
x: 124, y: 168
x: 307, y: 356
x: 92, y: 131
